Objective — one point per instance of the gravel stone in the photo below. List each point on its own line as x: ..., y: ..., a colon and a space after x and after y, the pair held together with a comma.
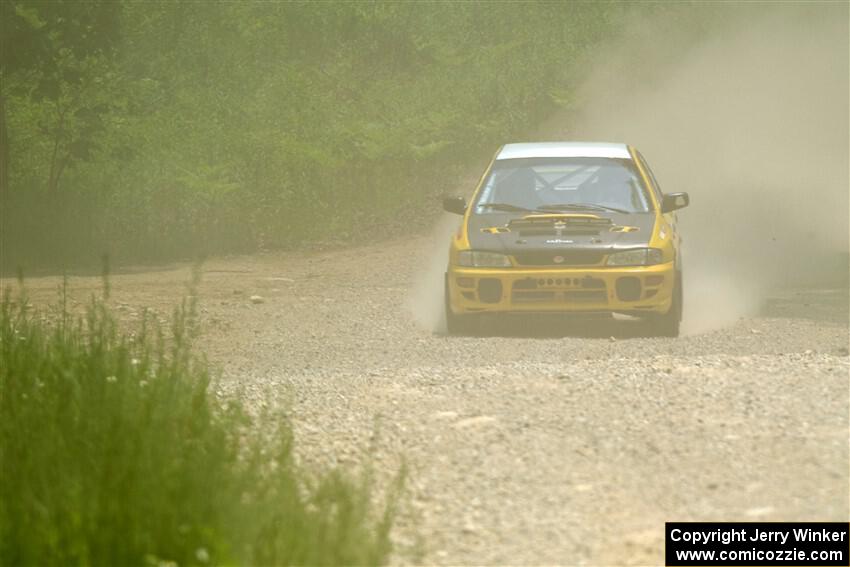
x: 544, y: 442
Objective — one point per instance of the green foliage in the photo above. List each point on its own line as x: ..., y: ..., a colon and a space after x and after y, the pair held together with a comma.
x: 113, y: 451
x: 221, y: 126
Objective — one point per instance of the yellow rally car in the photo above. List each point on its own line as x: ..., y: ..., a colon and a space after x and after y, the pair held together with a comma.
x: 566, y: 227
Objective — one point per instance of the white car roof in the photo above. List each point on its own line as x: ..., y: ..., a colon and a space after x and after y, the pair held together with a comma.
x: 564, y: 149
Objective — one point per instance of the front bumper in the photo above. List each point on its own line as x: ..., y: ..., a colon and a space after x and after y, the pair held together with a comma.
x: 633, y: 289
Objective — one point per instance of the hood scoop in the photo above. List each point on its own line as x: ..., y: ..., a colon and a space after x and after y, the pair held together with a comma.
x: 560, y: 225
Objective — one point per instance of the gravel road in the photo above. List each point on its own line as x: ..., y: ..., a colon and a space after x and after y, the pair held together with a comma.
x: 569, y: 443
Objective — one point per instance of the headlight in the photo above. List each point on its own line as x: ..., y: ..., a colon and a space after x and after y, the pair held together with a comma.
x: 639, y: 257
x: 475, y: 259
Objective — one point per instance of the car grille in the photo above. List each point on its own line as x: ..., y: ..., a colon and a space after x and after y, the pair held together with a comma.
x: 532, y: 296
x: 554, y: 290
x: 568, y: 297
x: 585, y: 297
x: 569, y: 258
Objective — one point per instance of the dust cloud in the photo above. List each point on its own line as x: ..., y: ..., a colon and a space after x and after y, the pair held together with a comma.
x: 425, y: 301
x: 745, y: 107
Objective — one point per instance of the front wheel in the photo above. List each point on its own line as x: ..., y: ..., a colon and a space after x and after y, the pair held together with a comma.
x: 457, y: 324
x: 668, y: 325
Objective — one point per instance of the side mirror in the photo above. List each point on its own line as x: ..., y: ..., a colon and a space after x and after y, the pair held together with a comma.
x: 456, y: 205
x: 674, y: 201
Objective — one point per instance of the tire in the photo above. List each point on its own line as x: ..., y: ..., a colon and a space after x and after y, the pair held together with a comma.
x: 457, y: 324
x: 668, y: 325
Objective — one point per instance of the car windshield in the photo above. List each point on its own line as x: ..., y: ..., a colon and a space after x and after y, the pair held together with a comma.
x: 569, y: 184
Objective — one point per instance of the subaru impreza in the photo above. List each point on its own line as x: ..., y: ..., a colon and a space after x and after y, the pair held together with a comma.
x: 569, y: 227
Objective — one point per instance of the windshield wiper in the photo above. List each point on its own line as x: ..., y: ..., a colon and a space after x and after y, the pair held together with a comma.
x: 581, y: 207
x: 506, y: 207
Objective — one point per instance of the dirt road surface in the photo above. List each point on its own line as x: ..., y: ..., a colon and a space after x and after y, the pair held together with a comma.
x: 551, y: 443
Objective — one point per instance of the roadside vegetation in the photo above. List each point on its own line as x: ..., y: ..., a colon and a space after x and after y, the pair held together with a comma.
x: 153, y: 131
x: 114, y: 451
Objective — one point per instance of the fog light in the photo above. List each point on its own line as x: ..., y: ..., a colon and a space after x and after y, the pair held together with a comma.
x: 654, y: 280
x: 466, y: 282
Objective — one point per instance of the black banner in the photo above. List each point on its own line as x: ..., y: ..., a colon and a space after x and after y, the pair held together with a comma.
x: 757, y: 543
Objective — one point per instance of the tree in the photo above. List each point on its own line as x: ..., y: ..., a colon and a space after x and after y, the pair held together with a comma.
x: 46, y: 49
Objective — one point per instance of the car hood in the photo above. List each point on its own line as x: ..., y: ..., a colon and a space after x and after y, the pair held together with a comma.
x: 510, y: 233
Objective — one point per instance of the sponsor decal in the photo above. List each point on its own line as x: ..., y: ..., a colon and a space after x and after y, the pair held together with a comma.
x: 559, y: 227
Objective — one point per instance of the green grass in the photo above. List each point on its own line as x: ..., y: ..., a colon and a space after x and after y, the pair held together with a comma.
x: 113, y: 451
